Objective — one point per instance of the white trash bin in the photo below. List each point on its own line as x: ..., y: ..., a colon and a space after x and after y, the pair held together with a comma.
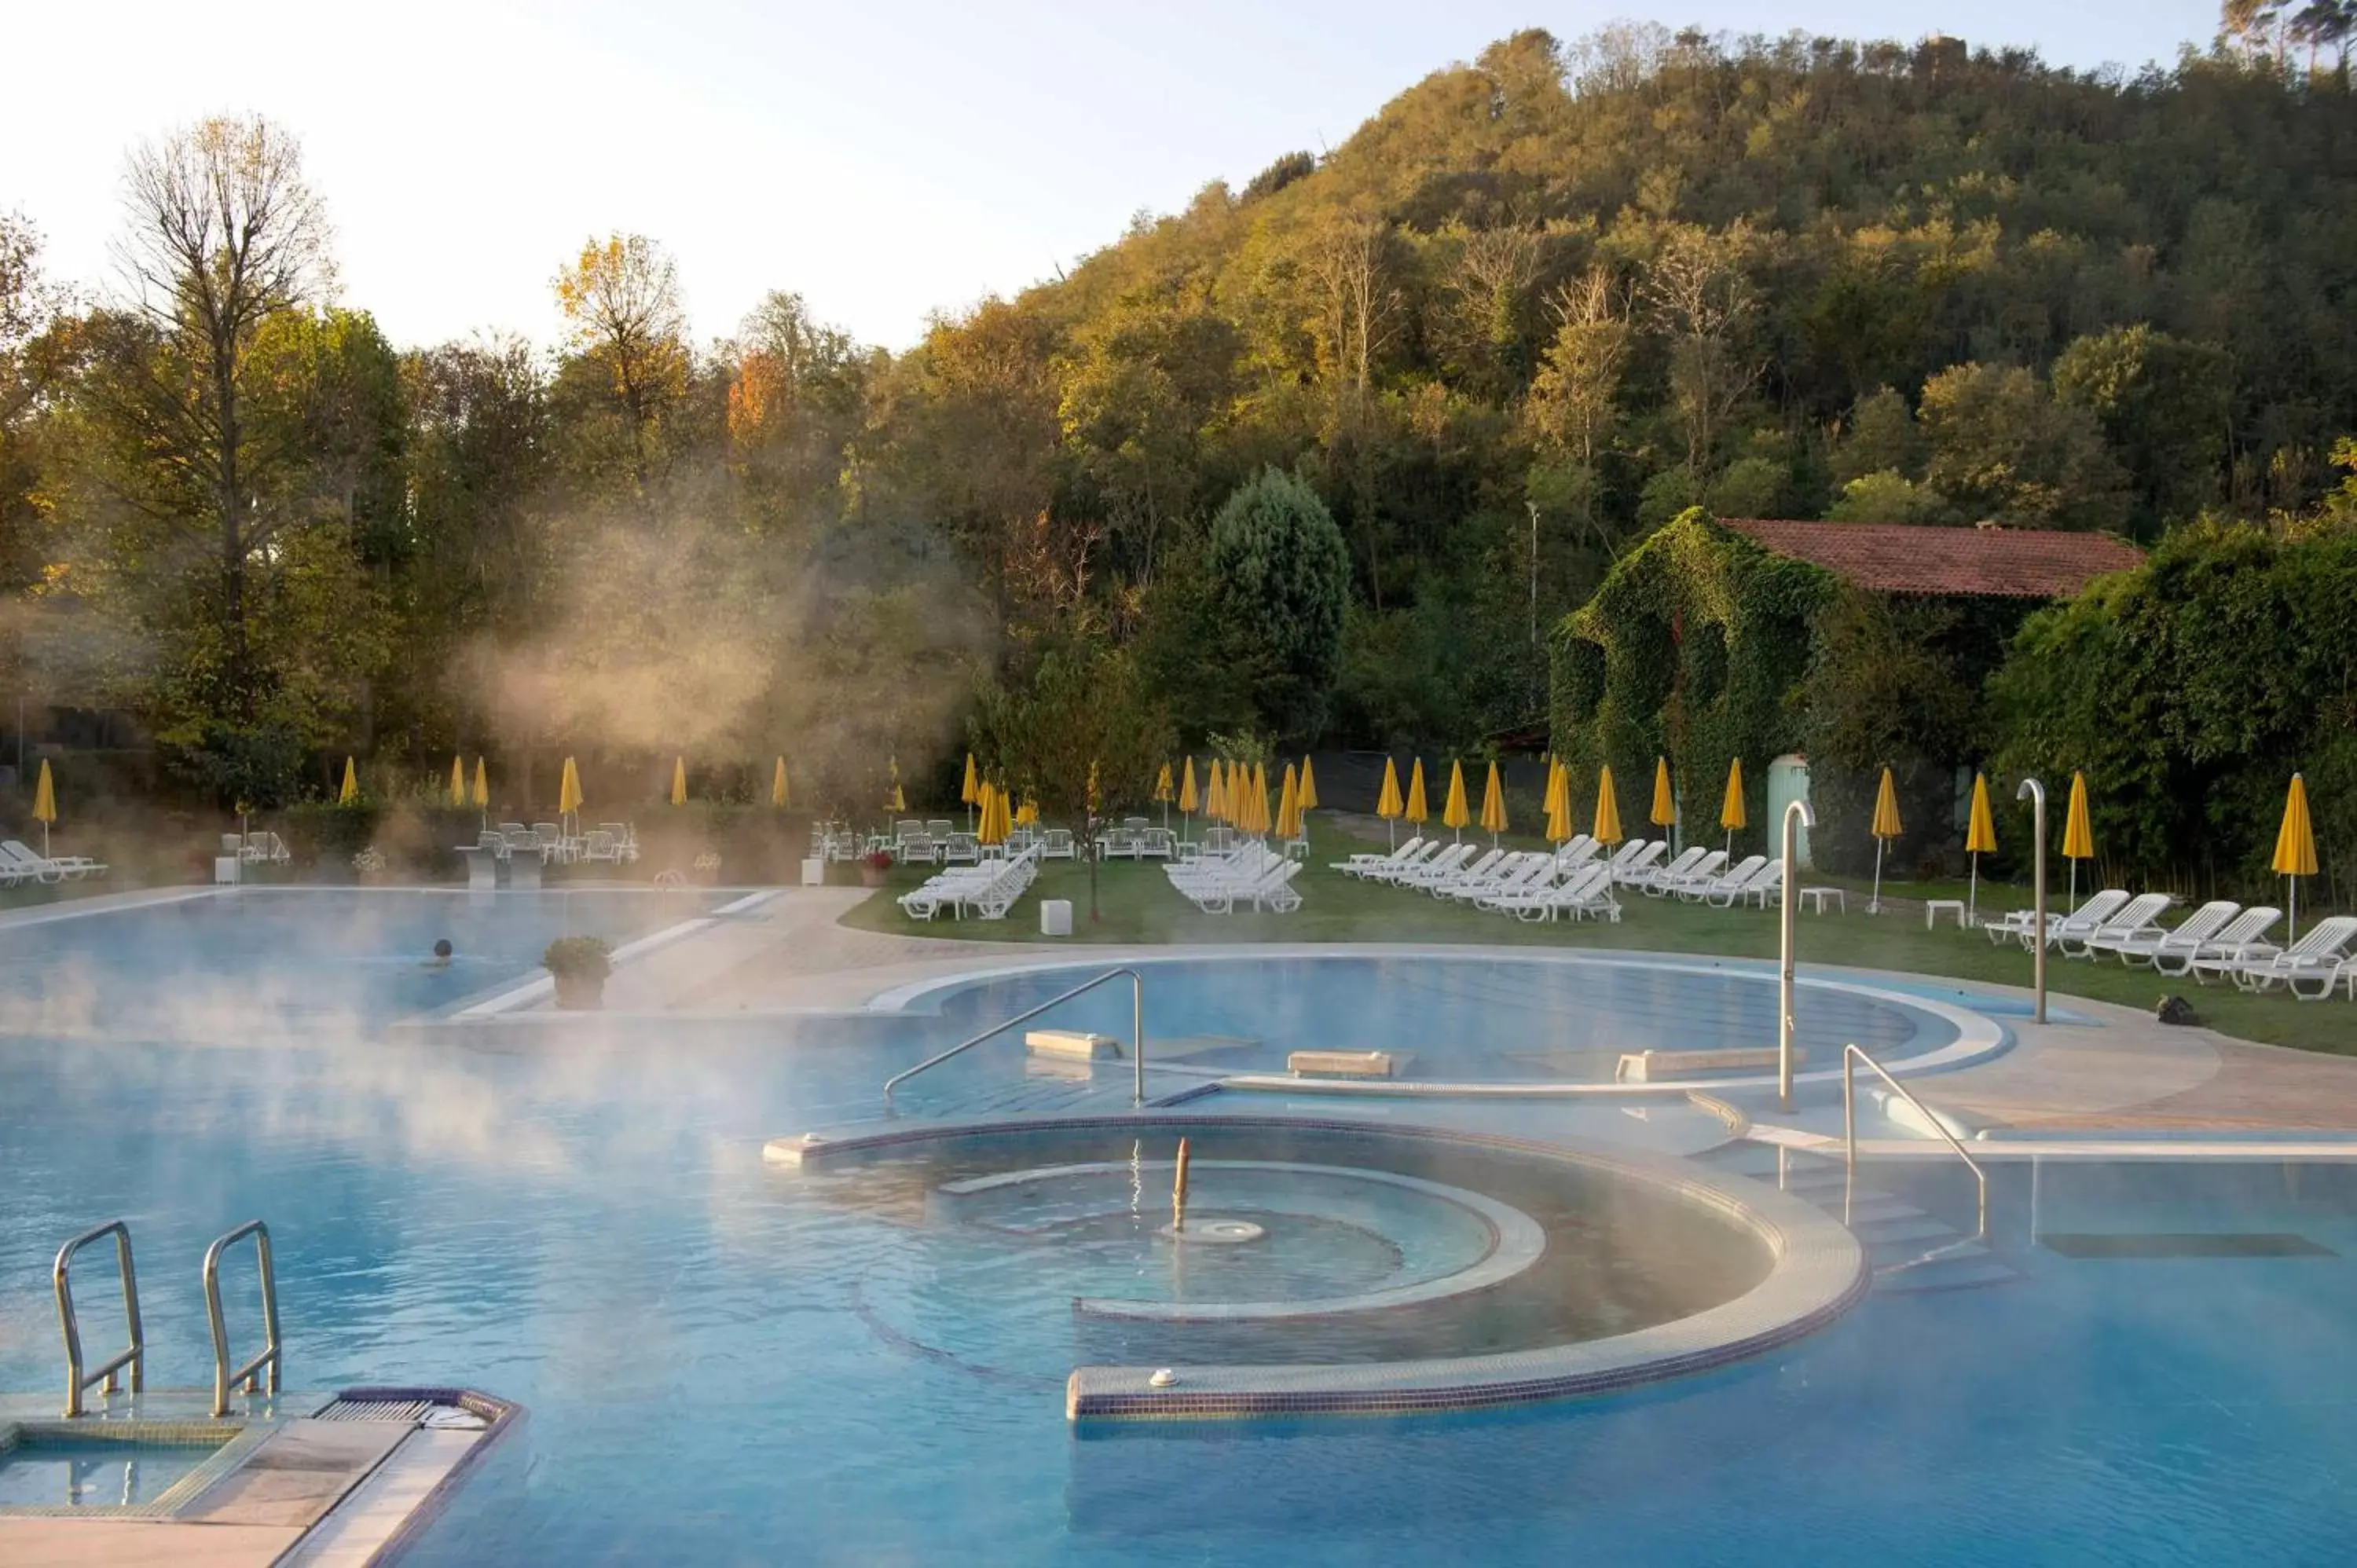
x: 1055, y: 917
x: 815, y: 873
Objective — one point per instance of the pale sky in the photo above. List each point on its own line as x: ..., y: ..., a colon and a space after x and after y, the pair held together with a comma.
x: 884, y: 160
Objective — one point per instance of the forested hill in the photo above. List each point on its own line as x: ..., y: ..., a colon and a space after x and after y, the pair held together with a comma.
x: 1534, y: 307
x: 1793, y: 278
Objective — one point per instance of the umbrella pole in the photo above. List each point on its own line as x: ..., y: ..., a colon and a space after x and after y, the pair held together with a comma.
x: 2294, y: 882
x: 1874, y: 905
x: 1972, y: 899
x: 2074, y: 887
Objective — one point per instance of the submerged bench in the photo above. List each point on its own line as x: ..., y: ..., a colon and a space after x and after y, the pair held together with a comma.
x: 1072, y: 1045
x: 1648, y: 1067
x: 1339, y: 1064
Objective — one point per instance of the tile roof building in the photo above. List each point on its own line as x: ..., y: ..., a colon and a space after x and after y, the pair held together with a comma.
x: 1959, y: 563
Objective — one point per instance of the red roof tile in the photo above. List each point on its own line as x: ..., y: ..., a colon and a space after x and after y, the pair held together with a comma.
x: 1905, y: 558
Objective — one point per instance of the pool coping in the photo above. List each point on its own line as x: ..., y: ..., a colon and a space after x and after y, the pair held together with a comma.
x: 1817, y: 1273
x: 1979, y: 1037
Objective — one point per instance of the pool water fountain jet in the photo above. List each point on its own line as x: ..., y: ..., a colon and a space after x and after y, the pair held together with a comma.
x: 1220, y: 1232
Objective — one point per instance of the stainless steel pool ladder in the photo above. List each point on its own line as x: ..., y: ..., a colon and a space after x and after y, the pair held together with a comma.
x: 1138, y: 1026
x: 250, y: 1374
x: 135, y: 1357
x: 1853, y: 1053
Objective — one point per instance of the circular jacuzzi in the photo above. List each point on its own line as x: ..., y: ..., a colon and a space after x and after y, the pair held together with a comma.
x: 1321, y: 1266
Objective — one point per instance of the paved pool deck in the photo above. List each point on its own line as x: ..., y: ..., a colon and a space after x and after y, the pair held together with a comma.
x: 2098, y: 1068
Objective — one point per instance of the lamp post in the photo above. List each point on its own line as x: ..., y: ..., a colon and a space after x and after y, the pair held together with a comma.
x: 2035, y: 793
x: 1796, y: 816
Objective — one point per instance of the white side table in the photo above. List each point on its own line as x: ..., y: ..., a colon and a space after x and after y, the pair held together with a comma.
x: 1817, y: 897
x: 1931, y: 908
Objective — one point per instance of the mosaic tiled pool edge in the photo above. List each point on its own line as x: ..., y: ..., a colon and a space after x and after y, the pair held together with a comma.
x: 1818, y: 1272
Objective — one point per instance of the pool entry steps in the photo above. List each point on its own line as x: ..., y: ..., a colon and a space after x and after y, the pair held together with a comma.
x: 243, y: 1472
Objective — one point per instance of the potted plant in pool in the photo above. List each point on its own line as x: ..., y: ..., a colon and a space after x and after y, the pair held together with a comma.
x: 580, y: 965
x: 873, y: 866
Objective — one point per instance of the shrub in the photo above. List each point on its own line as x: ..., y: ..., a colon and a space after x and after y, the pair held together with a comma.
x: 583, y: 958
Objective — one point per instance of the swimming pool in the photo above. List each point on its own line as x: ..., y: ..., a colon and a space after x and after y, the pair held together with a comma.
x: 219, y: 965
x: 1470, y: 1018
x: 590, y: 1229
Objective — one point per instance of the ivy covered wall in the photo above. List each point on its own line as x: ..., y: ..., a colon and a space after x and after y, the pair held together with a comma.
x: 1693, y: 647
x: 1702, y: 645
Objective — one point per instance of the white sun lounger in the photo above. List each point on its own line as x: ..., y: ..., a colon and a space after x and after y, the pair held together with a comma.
x: 2244, y: 936
x: 2141, y: 913
x: 1759, y: 887
x: 2320, y: 956
x: 1634, y: 863
x: 1696, y: 885
x: 1656, y: 876
x: 1587, y: 891
x: 2020, y: 924
x: 2140, y: 946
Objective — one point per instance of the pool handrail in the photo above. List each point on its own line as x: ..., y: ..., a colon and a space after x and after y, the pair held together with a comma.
x: 1137, y: 1025
x: 1853, y: 1052
x: 135, y: 1355
x: 272, y: 1354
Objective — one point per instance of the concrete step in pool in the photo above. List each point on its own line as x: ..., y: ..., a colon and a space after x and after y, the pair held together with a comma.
x: 1911, y: 1250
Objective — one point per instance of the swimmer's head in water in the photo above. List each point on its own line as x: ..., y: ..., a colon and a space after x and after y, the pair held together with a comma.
x: 442, y: 948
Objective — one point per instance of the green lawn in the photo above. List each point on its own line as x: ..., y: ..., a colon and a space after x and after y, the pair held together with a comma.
x: 1136, y: 904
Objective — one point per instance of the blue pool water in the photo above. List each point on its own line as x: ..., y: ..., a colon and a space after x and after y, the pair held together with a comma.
x: 214, y: 965
x: 590, y: 1230
x: 1472, y: 1019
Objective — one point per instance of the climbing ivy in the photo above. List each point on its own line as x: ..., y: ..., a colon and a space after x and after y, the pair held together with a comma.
x: 1693, y: 647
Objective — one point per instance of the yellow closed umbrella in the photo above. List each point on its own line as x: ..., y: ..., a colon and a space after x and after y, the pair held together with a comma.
x: 351, y: 793
x: 1288, y: 806
x: 1980, y: 839
x: 569, y: 790
x: 1417, y: 812
x: 1455, y: 814
x: 1215, y: 804
x: 2078, y: 833
x: 1494, y: 806
x: 483, y: 791
x: 969, y: 792
x: 679, y: 780
x: 1262, y: 820
x: 45, y: 805
x: 1388, y: 804
x: 1607, y: 808
x: 1188, y: 799
x: 1731, y: 814
x: 1027, y: 815
x: 1308, y: 786
x: 1558, y: 794
x: 1664, y: 813
x: 2294, y: 842
x: 895, y: 801
x: 1885, y: 827
x: 779, y: 796
x: 986, y: 799
x: 458, y: 781
x: 1163, y: 790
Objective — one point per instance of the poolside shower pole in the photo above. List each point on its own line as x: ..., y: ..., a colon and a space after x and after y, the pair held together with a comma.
x: 1797, y: 815
x: 2035, y: 793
